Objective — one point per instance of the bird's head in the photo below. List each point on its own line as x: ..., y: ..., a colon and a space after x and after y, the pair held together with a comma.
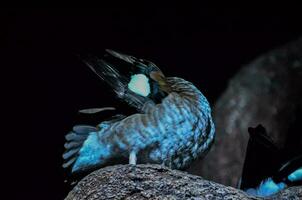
x: 134, y: 80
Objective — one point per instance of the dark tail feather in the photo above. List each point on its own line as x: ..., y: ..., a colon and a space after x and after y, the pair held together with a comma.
x: 261, y: 160
x: 74, y: 142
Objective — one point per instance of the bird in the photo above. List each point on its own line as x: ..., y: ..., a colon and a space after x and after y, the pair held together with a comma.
x: 172, y: 124
x: 268, y: 168
x: 290, y: 174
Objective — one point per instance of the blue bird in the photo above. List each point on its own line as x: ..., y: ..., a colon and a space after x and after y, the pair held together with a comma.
x: 267, y: 168
x: 173, y: 125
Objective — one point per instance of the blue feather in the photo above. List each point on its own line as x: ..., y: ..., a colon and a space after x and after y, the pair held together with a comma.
x: 296, y: 175
x: 92, y: 153
x: 267, y: 187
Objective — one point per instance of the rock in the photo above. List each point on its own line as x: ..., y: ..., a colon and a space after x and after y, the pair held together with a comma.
x: 158, y: 182
x: 149, y: 182
x: 267, y: 91
x: 292, y: 193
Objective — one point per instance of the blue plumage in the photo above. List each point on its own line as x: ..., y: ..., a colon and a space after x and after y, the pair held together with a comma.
x: 290, y: 174
x: 266, y: 188
x: 173, y: 125
x: 296, y: 175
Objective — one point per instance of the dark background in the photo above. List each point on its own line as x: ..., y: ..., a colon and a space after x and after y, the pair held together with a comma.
x: 47, y: 83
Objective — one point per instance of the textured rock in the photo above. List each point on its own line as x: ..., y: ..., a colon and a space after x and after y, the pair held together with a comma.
x: 292, y: 193
x: 158, y: 182
x: 266, y: 91
x: 149, y: 182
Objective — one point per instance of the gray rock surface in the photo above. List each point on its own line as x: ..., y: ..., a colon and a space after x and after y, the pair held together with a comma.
x: 292, y: 193
x: 157, y: 182
x: 266, y: 91
x: 149, y: 182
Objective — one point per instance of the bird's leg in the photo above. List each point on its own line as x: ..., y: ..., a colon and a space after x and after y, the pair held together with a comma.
x: 132, y: 158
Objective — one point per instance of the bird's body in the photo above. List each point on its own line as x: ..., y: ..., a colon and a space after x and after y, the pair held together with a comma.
x: 173, y: 132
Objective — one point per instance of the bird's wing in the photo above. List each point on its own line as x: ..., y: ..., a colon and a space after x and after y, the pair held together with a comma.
x: 116, y: 72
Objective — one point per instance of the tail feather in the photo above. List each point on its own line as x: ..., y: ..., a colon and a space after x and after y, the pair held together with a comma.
x: 85, y: 148
x: 69, y: 162
x: 71, y: 145
x: 75, y: 140
x: 83, y: 129
x: 70, y: 153
x: 72, y: 136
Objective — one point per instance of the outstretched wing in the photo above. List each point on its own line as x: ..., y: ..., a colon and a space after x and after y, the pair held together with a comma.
x: 115, y: 69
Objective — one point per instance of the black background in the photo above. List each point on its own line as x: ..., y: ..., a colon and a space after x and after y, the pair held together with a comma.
x: 48, y: 83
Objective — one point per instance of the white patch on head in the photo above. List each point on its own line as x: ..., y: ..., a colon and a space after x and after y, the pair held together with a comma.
x: 139, y: 84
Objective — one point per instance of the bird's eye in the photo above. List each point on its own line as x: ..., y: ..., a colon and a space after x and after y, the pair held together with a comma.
x: 139, y: 84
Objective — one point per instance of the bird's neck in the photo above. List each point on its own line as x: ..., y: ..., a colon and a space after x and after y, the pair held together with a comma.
x: 183, y: 88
